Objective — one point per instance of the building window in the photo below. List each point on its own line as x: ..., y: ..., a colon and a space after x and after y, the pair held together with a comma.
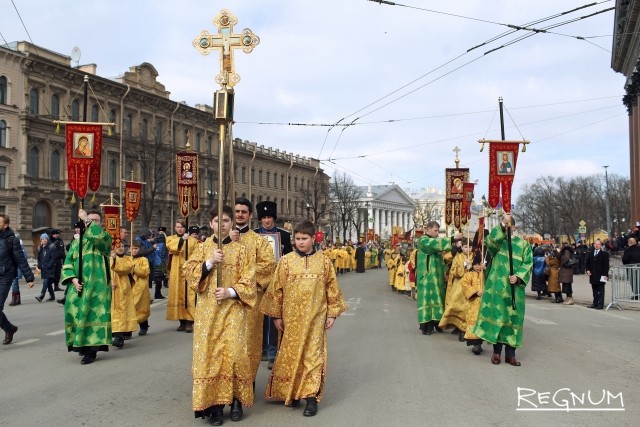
x: 128, y: 170
x: 75, y: 110
x: 32, y: 164
x: 3, y: 177
x: 210, y: 146
x: 4, y: 95
x: 197, y: 147
x: 94, y: 113
x: 55, y: 106
x: 281, y: 203
x: 244, y: 175
x: 55, y: 165
x: 282, y: 182
x: 295, y: 184
x: 268, y: 179
x: 112, y: 119
x: 260, y: 179
x: 3, y: 133
x: 144, y: 130
x: 41, y: 214
x: 253, y: 176
x: 113, y: 168
x: 159, y: 131
x: 128, y: 122
x: 34, y: 102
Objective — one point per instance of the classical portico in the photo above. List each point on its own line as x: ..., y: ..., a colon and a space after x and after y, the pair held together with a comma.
x: 383, y: 207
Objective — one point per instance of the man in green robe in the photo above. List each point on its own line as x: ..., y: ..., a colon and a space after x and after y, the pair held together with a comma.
x: 497, y: 322
x: 87, y: 317
x: 430, y: 282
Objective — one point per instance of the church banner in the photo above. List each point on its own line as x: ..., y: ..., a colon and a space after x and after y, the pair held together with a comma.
x: 503, y: 156
x: 187, y: 176
x: 112, y: 223
x: 84, y: 152
x: 132, y: 196
x: 467, y: 200
x: 454, y: 184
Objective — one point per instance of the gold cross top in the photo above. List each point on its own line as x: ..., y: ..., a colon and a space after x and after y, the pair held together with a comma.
x: 457, y: 160
x: 226, y: 41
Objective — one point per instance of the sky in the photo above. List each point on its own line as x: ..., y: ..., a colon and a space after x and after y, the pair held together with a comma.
x: 403, y: 74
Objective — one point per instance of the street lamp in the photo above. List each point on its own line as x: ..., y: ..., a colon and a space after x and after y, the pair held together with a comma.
x: 308, y: 210
x: 366, y: 221
x: 606, y: 180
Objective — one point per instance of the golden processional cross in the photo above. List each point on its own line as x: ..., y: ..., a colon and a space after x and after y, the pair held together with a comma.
x: 226, y: 41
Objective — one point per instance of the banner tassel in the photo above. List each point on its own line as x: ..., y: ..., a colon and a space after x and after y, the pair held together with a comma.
x: 109, y: 132
x: 73, y: 198
x: 58, y: 128
x: 93, y: 198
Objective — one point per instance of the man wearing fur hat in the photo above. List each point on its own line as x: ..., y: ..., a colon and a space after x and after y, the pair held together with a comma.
x: 267, y: 215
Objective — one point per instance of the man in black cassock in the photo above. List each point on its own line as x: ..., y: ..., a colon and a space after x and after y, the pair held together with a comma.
x: 360, y: 258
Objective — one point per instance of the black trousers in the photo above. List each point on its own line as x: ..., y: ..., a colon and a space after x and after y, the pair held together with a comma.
x: 508, y: 352
x: 598, y: 294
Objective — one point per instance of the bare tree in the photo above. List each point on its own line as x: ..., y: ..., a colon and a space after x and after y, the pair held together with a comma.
x: 344, y: 202
x: 316, y: 197
x: 156, y: 162
x: 427, y: 210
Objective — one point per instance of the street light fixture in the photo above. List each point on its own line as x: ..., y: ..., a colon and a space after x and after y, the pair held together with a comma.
x: 308, y: 210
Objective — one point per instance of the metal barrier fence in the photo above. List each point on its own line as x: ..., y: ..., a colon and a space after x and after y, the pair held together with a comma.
x: 625, y: 284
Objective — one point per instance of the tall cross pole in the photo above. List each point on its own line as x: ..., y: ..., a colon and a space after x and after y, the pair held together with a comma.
x: 456, y: 160
x: 225, y: 41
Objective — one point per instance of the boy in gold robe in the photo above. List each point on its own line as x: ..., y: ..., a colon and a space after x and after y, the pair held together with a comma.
x: 123, y: 311
x: 472, y: 284
x: 392, y: 264
x: 305, y: 299
x: 141, y: 299
x: 221, y: 366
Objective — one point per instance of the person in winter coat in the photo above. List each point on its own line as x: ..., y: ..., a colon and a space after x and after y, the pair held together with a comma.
x: 565, y: 275
x: 47, y: 263
x: 553, y: 285
x: 538, y: 281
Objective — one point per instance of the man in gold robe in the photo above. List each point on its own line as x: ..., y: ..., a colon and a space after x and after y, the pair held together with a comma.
x: 261, y: 256
x: 221, y: 365
x: 181, y: 302
x: 305, y: 300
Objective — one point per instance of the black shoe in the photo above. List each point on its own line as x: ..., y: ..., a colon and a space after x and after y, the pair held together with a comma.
x: 216, y: 418
x: 88, y: 358
x: 8, y: 335
x: 312, y: 407
x: 294, y: 403
x: 118, y: 342
x: 455, y: 331
x: 270, y: 365
x: 61, y: 301
x: 143, y: 332
x: 538, y: 297
x: 599, y: 307
x: 592, y: 306
x: 461, y: 336
x: 39, y: 298
x: 476, y: 349
x: 264, y: 357
x: 159, y: 297
x: 52, y: 298
x: 439, y: 329
x: 236, y: 410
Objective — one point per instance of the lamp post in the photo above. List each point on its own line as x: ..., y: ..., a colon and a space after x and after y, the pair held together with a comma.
x: 308, y: 211
x: 606, y: 180
x: 366, y: 222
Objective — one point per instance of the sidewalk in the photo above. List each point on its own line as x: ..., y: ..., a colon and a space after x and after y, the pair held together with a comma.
x: 582, y: 293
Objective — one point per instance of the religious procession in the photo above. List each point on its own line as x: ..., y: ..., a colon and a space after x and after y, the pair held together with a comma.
x: 253, y: 286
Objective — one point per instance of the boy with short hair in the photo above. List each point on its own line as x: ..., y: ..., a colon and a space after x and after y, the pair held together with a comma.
x: 139, y: 276
x: 472, y: 284
x: 305, y: 299
x: 221, y: 366
x: 124, y: 319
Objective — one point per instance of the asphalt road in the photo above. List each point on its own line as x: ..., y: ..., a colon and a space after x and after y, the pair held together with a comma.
x: 381, y: 371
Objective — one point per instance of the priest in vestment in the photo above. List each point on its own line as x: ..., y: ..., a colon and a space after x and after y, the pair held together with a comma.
x: 87, y: 317
x: 472, y: 284
x: 430, y: 281
x: 305, y: 299
x: 260, y: 255
x: 454, y: 302
x: 221, y: 366
x: 497, y: 322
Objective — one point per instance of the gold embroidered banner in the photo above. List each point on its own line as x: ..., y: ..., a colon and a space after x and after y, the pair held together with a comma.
x: 467, y: 200
x: 454, y: 184
x: 132, y: 197
x: 187, y: 177
x: 503, y: 156
x: 112, y: 223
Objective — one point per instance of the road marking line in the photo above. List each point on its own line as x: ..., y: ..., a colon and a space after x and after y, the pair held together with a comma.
x: 61, y: 331
x: 539, y: 321
x: 348, y: 314
x: 29, y: 341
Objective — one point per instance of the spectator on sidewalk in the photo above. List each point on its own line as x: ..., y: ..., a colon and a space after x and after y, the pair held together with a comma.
x: 565, y: 275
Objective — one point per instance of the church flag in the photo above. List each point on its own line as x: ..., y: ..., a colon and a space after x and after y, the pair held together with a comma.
x: 503, y: 156
x: 84, y: 153
x: 454, y: 184
x: 187, y: 177
x: 467, y: 200
x: 132, y: 198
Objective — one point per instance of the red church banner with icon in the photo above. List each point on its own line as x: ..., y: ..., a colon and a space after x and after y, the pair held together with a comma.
x: 84, y: 152
x: 187, y: 176
x: 454, y: 184
x: 112, y: 223
x: 503, y: 156
x: 132, y: 196
x: 467, y: 200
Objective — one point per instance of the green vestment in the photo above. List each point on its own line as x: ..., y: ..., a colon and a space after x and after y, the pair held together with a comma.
x: 87, y: 318
x: 430, y: 281
x: 497, y: 321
